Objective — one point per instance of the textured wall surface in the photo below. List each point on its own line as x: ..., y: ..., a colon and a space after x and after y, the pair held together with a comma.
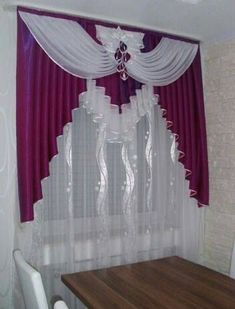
x: 7, y: 153
x: 219, y: 83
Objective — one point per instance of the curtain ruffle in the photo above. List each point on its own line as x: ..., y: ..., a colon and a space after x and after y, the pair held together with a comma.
x: 119, y: 126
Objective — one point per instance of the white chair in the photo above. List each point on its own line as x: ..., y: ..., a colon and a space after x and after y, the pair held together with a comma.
x: 232, y: 267
x: 32, y: 286
x: 60, y: 304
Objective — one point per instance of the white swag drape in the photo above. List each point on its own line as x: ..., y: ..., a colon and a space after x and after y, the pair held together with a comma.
x: 72, y: 48
x: 116, y: 193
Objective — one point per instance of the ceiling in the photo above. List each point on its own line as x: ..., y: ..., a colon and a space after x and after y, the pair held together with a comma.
x: 208, y: 20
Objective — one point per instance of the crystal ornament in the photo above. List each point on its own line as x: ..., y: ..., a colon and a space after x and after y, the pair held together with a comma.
x: 122, y: 56
x: 121, y: 45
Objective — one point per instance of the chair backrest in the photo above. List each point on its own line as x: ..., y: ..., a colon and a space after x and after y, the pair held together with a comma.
x: 232, y: 267
x: 60, y: 304
x: 31, y: 283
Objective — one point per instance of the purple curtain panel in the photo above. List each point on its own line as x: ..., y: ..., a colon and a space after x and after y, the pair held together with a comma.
x: 46, y: 96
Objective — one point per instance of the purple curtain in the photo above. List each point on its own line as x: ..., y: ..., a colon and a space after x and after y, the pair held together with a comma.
x: 46, y: 96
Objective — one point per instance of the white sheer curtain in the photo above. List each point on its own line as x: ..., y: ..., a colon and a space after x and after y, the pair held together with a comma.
x: 109, y: 203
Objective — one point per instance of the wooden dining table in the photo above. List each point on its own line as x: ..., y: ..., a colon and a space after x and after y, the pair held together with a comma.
x: 170, y: 282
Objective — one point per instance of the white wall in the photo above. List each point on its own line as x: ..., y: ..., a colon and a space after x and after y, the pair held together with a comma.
x: 219, y: 87
x: 7, y: 153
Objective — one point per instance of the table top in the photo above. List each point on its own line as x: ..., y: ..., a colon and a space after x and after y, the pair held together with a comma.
x: 165, y: 283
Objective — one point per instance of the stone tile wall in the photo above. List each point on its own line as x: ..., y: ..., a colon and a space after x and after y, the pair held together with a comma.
x: 219, y: 88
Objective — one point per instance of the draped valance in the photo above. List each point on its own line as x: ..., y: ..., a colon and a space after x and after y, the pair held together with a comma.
x: 75, y: 51
x: 57, y: 53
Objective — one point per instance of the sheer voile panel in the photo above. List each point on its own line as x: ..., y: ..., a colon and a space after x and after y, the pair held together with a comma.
x: 107, y: 203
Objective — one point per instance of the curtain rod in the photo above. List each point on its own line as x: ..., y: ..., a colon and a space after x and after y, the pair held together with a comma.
x: 13, y: 5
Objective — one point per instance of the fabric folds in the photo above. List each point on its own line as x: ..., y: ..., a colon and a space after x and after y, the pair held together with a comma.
x: 70, y: 46
x: 119, y: 127
x: 75, y: 51
x: 164, y: 64
x: 47, y: 94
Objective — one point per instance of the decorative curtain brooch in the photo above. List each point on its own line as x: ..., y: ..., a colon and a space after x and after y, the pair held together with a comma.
x: 121, y: 45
